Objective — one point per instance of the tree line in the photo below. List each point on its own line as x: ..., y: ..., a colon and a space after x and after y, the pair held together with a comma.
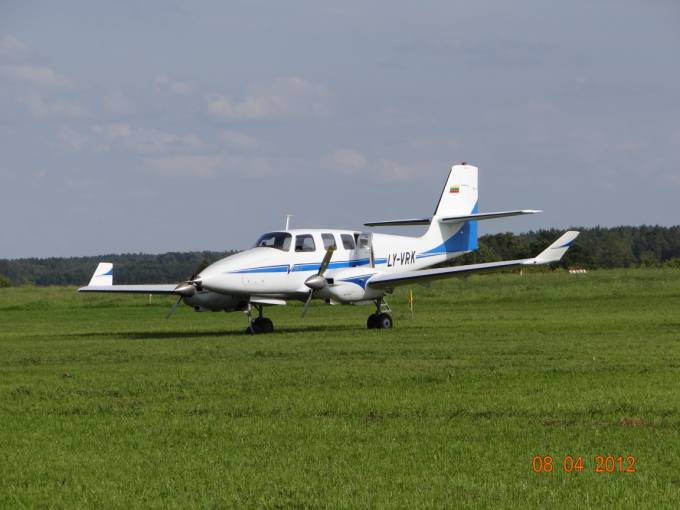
x: 596, y: 247
x: 130, y: 268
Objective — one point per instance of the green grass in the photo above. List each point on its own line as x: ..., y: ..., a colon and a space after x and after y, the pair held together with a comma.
x: 103, y: 403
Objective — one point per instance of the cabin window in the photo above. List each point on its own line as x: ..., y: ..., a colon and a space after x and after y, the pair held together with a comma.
x: 278, y: 240
x: 328, y: 241
x: 347, y: 241
x: 304, y: 242
x: 364, y: 241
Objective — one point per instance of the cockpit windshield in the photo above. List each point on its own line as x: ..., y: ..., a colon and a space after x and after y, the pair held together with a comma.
x: 278, y: 240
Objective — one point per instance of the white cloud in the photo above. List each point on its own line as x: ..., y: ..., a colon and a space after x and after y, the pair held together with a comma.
x: 142, y: 140
x: 116, y: 103
x: 42, y: 108
x: 238, y: 140
x: 11, y: 47
x: 124, y: 137
x: 182, y: 88
x: 184, y: 166
x: 345, y: 161
x: 71, y: 139
x: 19, y: 65
x: 391, y: 170
x: 204, y: 166
x: 285, y: 97
x: 38, y: 75
x: 352, y: 162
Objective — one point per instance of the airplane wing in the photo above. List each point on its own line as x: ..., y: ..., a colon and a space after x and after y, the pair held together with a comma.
x: 102, y: 281
x: 133, y: 289
x: 552, y: 253
x: 452, y: 219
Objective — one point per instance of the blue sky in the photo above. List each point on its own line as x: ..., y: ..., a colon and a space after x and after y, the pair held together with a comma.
x: 159, y: 126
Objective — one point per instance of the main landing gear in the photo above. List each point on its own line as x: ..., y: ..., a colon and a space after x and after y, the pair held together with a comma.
x: 380, y: 319
x: 260, y: 324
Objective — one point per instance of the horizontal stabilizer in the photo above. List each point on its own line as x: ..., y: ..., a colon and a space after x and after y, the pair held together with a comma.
x: 399, y: 223
x: 487, y: 216
x: 451, y: 219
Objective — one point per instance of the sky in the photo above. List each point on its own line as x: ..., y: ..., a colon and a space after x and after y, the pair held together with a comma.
x: 180, y: 126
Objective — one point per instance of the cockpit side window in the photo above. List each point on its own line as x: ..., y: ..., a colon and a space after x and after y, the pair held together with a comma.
x: 347, y: 241
x: 278, y: 240
x: 328, y: 241
x: 364, y: 241
x: 304, y: 242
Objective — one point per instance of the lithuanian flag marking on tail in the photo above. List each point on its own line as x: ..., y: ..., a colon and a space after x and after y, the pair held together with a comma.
x: 454, y: 189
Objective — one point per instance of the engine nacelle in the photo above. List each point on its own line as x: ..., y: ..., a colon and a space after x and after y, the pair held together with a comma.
x: 206, y: 300
x: 350, y: 286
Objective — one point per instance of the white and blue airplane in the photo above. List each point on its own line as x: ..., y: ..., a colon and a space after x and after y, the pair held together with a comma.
x: 342, y: 266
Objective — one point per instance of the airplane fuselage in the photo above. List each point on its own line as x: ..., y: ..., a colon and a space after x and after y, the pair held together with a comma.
x: 281, y: 272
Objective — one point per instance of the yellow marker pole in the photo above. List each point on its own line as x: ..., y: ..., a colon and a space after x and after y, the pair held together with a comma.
x: 410, y: 301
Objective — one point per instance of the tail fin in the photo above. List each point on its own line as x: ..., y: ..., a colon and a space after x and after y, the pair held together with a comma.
x: 103, y: 275
x: 459, y: 198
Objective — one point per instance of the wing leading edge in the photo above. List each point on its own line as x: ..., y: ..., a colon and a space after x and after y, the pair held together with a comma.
x: 133, y: 289
x: 552, y: 253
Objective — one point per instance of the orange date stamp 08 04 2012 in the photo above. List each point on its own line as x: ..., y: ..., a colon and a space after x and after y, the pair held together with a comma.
x: 603, y: 464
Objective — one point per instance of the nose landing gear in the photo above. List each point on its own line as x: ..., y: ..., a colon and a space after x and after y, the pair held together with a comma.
x: 380, y: 319
x: 260, y: 324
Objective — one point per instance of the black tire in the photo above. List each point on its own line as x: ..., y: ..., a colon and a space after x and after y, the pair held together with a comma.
x: 265, y: 325
x: 261, y: 325
x: 372, y: 322
x: 384, y: 321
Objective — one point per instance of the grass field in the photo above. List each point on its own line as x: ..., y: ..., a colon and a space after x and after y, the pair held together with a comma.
x: 103, y: 403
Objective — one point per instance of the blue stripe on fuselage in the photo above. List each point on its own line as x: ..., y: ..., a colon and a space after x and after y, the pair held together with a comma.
x: 264, y: 269
x: 312, y: 266
x: 358, y: 280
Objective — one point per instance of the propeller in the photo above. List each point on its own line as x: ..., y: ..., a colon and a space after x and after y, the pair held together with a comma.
x: 317, y: 281
x: 187, y: 289
x: 172, y: 310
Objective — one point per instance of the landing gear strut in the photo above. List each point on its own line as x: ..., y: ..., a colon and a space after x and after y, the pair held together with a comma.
x: 260, y: 324
x: 380, y: 319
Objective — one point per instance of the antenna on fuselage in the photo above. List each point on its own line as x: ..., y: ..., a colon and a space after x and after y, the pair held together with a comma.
x: 288, y: 217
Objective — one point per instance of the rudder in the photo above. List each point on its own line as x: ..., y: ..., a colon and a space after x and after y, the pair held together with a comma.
x: 459, y: 196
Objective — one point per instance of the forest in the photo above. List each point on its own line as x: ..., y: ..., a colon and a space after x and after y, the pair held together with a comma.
x: 597, y: 247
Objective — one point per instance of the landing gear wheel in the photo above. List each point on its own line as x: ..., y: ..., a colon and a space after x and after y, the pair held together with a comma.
x: 260, y: 325
x: 372, y: 322
x: 384, y: 321
x: 265, y: 325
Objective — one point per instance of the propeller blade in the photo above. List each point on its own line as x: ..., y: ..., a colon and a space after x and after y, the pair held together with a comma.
x: 174, y: 308
x: 326, y: 260
x: 317, y: 281
x: 309, y: 300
